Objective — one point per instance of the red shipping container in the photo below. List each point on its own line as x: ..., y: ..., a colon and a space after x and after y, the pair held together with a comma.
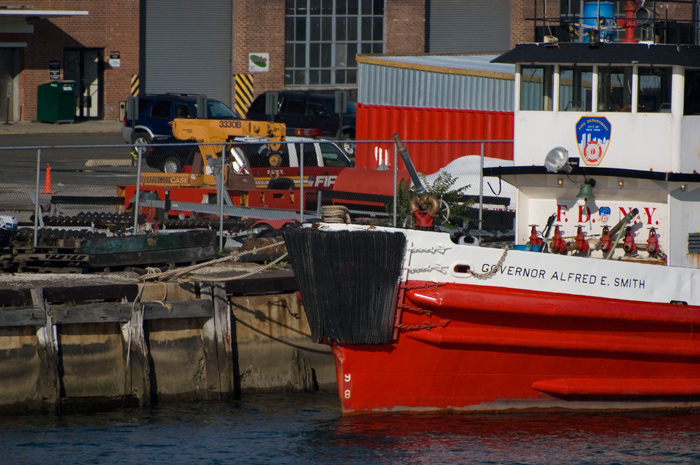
x: 426, y: 125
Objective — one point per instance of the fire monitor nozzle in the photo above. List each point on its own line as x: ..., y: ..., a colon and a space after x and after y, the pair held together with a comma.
x: 401, y: 148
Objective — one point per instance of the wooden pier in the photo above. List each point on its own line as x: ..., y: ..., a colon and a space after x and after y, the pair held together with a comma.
x: 71, y: 347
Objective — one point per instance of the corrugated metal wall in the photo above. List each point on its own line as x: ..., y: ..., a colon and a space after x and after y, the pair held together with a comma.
x: 428, y: 124
x: 389, y: 85
x: 187, y: 47
x: 458, y: 26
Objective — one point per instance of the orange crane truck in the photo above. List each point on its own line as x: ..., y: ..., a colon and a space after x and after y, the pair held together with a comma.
x: 200, y: 185
x: 197, y: 189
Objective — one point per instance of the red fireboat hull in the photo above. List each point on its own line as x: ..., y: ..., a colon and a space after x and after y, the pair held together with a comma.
x: 479, y: 348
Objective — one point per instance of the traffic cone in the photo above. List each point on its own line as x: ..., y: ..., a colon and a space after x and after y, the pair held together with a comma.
x: 47, y: 181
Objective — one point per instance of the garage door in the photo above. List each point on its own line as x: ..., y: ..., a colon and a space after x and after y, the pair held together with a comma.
x: 463, y: 26
x: 187, y: 48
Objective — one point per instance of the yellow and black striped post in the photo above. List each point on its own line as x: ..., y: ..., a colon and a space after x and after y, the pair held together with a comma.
x: 135, y: 85
x: 244, y: 93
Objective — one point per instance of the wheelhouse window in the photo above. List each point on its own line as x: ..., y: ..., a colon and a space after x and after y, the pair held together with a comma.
x: 615, y: 88
x: 691, y: 104
x: 654, y: 93
x: 322, y: 38
x: 575, y: 88
x: 536, y: 88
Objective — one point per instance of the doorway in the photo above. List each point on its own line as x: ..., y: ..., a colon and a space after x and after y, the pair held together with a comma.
x: 9, y: 65
x: 84, y: 66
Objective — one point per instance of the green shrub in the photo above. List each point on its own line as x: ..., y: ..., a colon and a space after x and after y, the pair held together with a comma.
x: 442, y: 189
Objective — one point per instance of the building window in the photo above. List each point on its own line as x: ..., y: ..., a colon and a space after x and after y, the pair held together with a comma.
x: 570, y: 8
x: 322, y: 38
x: 580, y: 16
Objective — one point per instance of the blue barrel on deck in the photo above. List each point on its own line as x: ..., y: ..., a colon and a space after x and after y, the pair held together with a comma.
x: 607, y: 19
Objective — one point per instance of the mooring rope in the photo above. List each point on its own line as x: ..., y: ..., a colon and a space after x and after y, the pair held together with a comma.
x: 336, y: 214
x: 155, y: 273
x: 233, y: 278
x: 130, y: 330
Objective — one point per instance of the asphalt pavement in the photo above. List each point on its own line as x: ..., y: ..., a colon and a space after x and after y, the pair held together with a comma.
x: 98, y: 132
x: 79, y: 127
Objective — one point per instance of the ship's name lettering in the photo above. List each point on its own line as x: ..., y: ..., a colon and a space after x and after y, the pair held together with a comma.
x: 514, y: 271
x: 564, y: 276
x: 582, y: 278
x: 629, y: 282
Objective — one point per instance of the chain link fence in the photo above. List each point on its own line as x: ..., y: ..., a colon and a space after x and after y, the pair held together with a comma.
x: 248, y: 185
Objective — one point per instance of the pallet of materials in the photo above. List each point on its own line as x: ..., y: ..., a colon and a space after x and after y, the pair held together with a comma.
x: 118, y: 252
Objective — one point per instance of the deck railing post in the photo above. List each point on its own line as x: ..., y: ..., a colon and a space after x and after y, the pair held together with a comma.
x: 481, y: 192
x: 220, y: 197
x: 395, y: 191
x: 36, y: 200
x: 137, y: 195
x: 301, y: 184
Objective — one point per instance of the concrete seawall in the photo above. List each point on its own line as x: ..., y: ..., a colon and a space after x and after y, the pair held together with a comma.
x: 85, y: 347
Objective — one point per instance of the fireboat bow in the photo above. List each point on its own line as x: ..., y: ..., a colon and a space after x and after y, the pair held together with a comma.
x: 601, y: 314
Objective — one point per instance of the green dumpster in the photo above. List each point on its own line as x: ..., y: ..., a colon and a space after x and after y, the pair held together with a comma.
x: 56, y: 102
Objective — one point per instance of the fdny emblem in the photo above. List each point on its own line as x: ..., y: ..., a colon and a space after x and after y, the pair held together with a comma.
x: 593, y: 137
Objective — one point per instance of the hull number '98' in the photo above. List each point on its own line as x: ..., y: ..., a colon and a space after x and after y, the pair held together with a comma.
x: 347, y: 378
x: 229, y: 124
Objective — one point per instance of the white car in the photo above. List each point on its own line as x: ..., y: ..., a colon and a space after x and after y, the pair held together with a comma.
x: 322, y: 160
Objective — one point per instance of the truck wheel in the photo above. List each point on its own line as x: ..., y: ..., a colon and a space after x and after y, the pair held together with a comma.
x: 142, y: 138
x: 172, y: 165
x: 347, y: 144
x: 281, y: 184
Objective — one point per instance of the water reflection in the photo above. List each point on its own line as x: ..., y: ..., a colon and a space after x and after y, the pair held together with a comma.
x: 527, y: 439
x: 308, y: 429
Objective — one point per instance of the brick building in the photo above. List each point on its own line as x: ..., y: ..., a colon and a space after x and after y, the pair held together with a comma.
x: 68, y: 40
x: 183, y: 46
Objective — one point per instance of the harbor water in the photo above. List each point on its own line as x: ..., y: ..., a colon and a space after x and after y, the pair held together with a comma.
x: 308, y: 429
